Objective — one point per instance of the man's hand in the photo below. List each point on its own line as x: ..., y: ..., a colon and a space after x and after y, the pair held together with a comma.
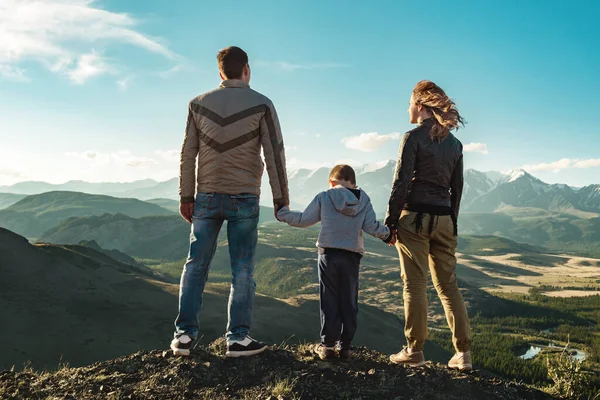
x: 278, y: 207
x: 186, y: 210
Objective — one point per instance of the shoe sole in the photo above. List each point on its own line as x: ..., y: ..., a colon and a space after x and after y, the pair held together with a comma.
x: 325, y: 358
x: 235, y: 354
x: 412, y: 365
x: 180, y: 352
x: 466, y: 367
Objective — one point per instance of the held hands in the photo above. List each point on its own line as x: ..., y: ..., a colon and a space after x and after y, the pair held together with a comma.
x: 392, y: 242
x: 277, y: 208
x: 394, y: 235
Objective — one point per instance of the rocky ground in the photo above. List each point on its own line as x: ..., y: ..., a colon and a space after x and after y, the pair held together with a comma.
x: 280, y: 373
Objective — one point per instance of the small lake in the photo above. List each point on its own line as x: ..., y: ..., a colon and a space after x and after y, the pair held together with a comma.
x: 533, y: 351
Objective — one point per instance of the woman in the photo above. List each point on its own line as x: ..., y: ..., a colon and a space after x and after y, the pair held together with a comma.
x: 423, y: 208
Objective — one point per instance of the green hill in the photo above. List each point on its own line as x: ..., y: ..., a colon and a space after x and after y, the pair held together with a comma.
x: 172, y: 205
x: 285, y: 259
x: 113, y: 253
x: 155, y: 237
x: 8, y: 199
x: 76, y: 304
x: 35, y: 214
x: 556, y: 231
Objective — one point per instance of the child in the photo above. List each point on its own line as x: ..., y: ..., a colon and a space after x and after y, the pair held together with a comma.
x: 344, y: 211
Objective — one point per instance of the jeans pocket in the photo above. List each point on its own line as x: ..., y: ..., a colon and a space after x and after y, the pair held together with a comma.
x: 246, y: 205
x: 202, y: 205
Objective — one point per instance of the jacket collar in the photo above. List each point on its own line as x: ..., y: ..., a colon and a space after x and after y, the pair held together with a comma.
x: 233, y: 83
x: 428, y: 121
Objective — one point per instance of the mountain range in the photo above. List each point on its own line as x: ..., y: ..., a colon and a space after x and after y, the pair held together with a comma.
x: 521, y: 189
x: 483, y: 191
x: 517, y: 205
x: 35, y: 214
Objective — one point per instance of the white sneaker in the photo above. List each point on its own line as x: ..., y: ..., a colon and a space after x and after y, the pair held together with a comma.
x: 461, y: 361
x: 182, y: 345
x: 244, y: 348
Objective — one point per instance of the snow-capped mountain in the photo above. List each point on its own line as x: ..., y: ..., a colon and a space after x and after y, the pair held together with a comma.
x: 304, y: 184
x: 494, y: 176
x: 374, y: 167
x: 483, y: 191
x: 589, y: 198
x: 521, y: 189
x: 476, y: 185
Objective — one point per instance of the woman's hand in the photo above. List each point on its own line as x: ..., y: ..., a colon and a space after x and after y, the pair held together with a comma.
x: 392, y: 243
x: 394, y: 232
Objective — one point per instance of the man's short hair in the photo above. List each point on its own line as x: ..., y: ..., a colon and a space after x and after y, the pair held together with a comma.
x: 343, y: 172
x: 232, y: 61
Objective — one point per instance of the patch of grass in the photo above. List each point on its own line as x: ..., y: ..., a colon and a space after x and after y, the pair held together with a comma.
x: 282, y: 387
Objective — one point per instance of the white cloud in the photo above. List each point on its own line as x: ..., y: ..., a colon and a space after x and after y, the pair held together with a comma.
x: 170, y: 71
x: 123, y: 84
x: 123, y: 158
x: 476, y: 148
x: 169, y: 155
x: 370, y: 141
x: 88, y: 66
x: 9, y: 176
x: 318, y: 135
x: 288, y: 66
x: 174, y: 70
x: 13, y: 73
x: 564, y: 163
x: 91, y: 155
x: 589, y: 163
x: 58, y: 34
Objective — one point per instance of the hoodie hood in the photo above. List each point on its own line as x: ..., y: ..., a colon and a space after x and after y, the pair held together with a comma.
x: 348, y: 201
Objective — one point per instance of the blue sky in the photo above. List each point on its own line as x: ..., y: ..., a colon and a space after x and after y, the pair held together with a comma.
x: 97, y: 90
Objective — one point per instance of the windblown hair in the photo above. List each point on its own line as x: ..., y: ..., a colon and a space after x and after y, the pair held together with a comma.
x: 343, y: 173
x: 444, y: 111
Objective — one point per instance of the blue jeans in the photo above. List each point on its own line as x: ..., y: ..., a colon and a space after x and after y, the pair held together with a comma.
x: 210, y: 210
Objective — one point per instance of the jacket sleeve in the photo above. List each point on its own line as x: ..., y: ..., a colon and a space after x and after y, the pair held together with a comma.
x: 456, y: 185
x: 374, y: 227
x: 405, y: 168
x: 189, y: 154
x: 309, y: 217
x: 274, y: 152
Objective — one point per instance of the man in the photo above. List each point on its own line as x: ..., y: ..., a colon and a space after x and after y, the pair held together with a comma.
x: 226, y: 129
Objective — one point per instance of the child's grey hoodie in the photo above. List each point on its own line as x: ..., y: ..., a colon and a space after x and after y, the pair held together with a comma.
x: 344, y: 214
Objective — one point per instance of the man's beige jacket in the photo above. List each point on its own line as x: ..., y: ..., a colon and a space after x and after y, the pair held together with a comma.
x: 225, y: 131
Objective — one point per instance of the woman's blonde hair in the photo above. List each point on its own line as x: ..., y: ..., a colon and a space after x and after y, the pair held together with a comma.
x: 444, y: 111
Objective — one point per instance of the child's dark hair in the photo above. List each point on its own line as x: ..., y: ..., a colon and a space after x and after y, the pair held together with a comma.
x: 343, y: 172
